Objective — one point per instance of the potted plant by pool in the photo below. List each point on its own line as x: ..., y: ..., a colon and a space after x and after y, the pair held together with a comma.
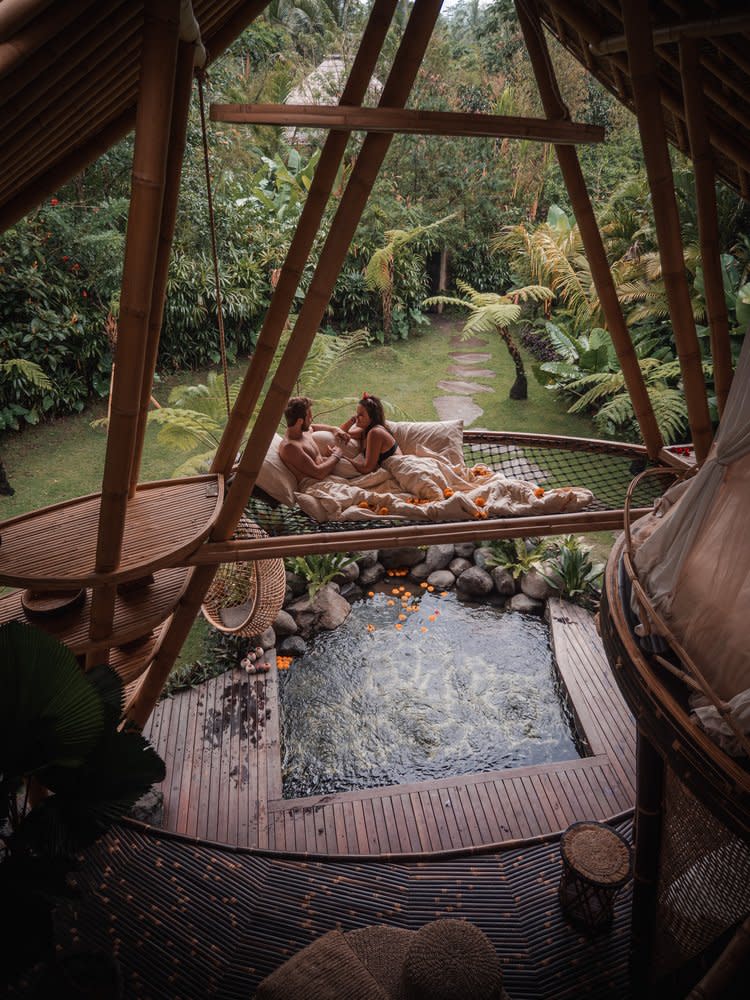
x: 67, y: 772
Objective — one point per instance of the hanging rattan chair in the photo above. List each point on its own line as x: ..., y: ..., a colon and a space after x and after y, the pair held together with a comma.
x: 245, y: 597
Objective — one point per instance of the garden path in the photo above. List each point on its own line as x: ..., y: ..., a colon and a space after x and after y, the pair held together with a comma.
x: 459, y: 404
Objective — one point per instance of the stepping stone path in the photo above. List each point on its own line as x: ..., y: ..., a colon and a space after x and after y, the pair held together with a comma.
x: 464, y: 388
x: 459, y: 405
x: 470, y: 372
x: 457, y: 408
x: 469, y: 359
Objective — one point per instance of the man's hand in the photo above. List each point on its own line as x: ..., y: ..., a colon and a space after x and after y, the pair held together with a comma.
x: 334, y: 451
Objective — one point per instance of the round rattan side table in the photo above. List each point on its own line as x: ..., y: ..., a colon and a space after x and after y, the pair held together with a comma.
x: 597, y: 863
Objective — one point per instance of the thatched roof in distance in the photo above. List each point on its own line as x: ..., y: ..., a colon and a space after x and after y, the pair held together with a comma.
x: 324, y: 85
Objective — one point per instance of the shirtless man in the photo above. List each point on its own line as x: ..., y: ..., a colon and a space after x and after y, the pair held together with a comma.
x: 299, y: 450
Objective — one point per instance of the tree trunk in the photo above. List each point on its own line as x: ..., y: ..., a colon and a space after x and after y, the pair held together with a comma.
x: 520, y: 388
x: 6, y: 489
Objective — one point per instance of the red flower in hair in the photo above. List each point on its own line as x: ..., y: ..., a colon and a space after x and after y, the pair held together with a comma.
x: 54, y: 201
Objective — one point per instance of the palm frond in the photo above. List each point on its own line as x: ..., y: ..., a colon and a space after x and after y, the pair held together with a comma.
x: 184, y: 429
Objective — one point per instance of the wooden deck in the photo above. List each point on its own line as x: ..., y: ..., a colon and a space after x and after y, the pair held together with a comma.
x: 220, y: 742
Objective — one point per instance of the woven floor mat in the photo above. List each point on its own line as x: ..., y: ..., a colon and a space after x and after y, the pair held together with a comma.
x: 189, y: 920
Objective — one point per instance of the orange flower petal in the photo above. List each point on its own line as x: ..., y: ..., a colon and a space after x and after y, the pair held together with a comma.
x: 423, y: 585
x: 480, y: 501
x: 430, y: 589
x: 423, y: 629
x: 399, y: 625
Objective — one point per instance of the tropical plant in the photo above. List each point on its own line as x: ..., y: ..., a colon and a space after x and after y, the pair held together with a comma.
x: 380, y: 270
x: 319, y: 570
x: 492, y: 312
x: 67, y: 772
x: 517, y: 555
x: 569, y: 568
x: 196, y: 414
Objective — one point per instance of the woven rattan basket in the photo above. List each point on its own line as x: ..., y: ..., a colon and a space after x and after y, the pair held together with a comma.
x: 245, y: 597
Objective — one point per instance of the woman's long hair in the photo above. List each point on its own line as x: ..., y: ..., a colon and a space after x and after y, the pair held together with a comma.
x: 374, y: 410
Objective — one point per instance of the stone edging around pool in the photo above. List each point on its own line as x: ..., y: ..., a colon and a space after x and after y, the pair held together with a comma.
x: 462, y: 567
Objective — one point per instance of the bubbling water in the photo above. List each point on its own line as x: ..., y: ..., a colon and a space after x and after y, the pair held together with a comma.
x: 417, y: 688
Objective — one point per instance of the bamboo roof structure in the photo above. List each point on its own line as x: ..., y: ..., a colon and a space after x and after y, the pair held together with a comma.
x: 78, y: 75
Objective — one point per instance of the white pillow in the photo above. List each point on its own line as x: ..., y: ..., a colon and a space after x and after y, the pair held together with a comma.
x: 343, y: 468
x: 275, y: 478
x: 445, y: 437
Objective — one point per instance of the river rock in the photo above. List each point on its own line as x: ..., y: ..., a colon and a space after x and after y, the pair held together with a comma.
x: 296, y: 583
x: 419, y: 573
x: 442, y: 579
x: 504, y: 582
x: 366, y: 559
x: 267, y: 639
x: 285, y: 624
x: 438, y: 556
x: 348, y: 574
x: 522, y: 602
x: 352, y: 592
x: 406, y: 556
x: 331, y: 608
x: 304, y: 615
x: 292, y: 645
x: 535, y: 586
x: 458, y: 566
x: 371, y: 574
x: 475, y: 582
x: 464, y: 550
x: 481, y: 556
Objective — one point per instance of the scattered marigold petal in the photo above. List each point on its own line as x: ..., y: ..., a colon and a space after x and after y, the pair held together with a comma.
x: 447, y: 492
x: 370, y: 628
x: 402, y: 618
x: 364, y: 505
x: 431, y: 618
x: 370, y: 593
x: 443, y: 593
x: 480, y: 501
x: 399, y: 625
x: 539, y: 491
x: 383, y: 510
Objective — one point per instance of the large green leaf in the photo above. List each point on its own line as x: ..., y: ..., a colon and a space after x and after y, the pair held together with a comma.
x: 49, y: 713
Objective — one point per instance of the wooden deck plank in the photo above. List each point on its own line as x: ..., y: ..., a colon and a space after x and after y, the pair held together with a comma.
x: 425, y: 822
x: 262, y: 753
x: 479, y: 831
x: 399, y: 836
x: 405, y: 804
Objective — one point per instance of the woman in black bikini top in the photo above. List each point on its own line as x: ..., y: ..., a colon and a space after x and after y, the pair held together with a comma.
x: 368, y: 427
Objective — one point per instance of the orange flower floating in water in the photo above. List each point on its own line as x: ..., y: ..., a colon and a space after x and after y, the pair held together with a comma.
x: 423, y: 629
x: 443, y: 593
x: 370, y: 628
x: 423, y: 585
x: 395, y: 590
x: 430, y: 588
x: 399, y: 625
x: 539, y: 491
x: 431, y: 618
x: 480, y: 501
x: 390, y: 603
x: 402, y: 618
x: 283, y: 662
x: 370, y: 593
x: 447, y: 492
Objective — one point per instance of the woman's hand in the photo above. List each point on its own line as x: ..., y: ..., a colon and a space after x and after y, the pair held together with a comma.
x: 334, y: 451
x: 342, y: 436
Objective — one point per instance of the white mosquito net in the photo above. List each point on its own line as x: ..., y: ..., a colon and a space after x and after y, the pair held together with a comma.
x: 695, y: 562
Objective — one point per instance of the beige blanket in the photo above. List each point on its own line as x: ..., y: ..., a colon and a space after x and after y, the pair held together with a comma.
x: 428, y: 488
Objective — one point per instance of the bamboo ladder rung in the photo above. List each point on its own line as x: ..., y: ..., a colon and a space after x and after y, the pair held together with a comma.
x: 55, y: 548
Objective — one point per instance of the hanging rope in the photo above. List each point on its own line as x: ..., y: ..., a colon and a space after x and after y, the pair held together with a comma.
x: 219, y: 312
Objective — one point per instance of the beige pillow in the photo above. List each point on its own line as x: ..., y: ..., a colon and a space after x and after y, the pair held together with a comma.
x: 275, y: 478
x: 445, y: 437
x: 343, y: 468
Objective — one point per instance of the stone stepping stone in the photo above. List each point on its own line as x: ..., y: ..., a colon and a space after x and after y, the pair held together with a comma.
x: 457, y: 408
x: 471, y: 372
x: 464, y: 388
x: 469, y: 342
x: 469, y: 359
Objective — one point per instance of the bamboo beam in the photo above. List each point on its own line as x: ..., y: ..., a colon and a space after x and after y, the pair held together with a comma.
x: 408, y: 121
x: 39, y: 31
x: 645, y: 83
x: 147, y: 191
x: 708, y: 27
x: 180, y: 113
x: 647, y: 835
x: 302, y: 241
x: 592, y: 241
x: 708, y: 223
x: 403, y: 72
x: 66, y: 169
x: 16, y: 14
x: 232, y: 28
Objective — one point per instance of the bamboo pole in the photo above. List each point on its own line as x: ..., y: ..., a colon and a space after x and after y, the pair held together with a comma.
x: 645, y: 83
x: 410, y: 121
x: 405, y: 67
x: 38, y: 32
x: 647, y: 835
x: 149, y: 166
x: 64, y: 170
x: 16, y: 14
x: 592, y: 241
x: 302, y: 241
x: 708, y: 223
x: 180, y: 112
x: 727, y: 24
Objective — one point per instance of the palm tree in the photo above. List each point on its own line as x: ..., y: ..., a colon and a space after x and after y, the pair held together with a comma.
x: 492, y: 312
